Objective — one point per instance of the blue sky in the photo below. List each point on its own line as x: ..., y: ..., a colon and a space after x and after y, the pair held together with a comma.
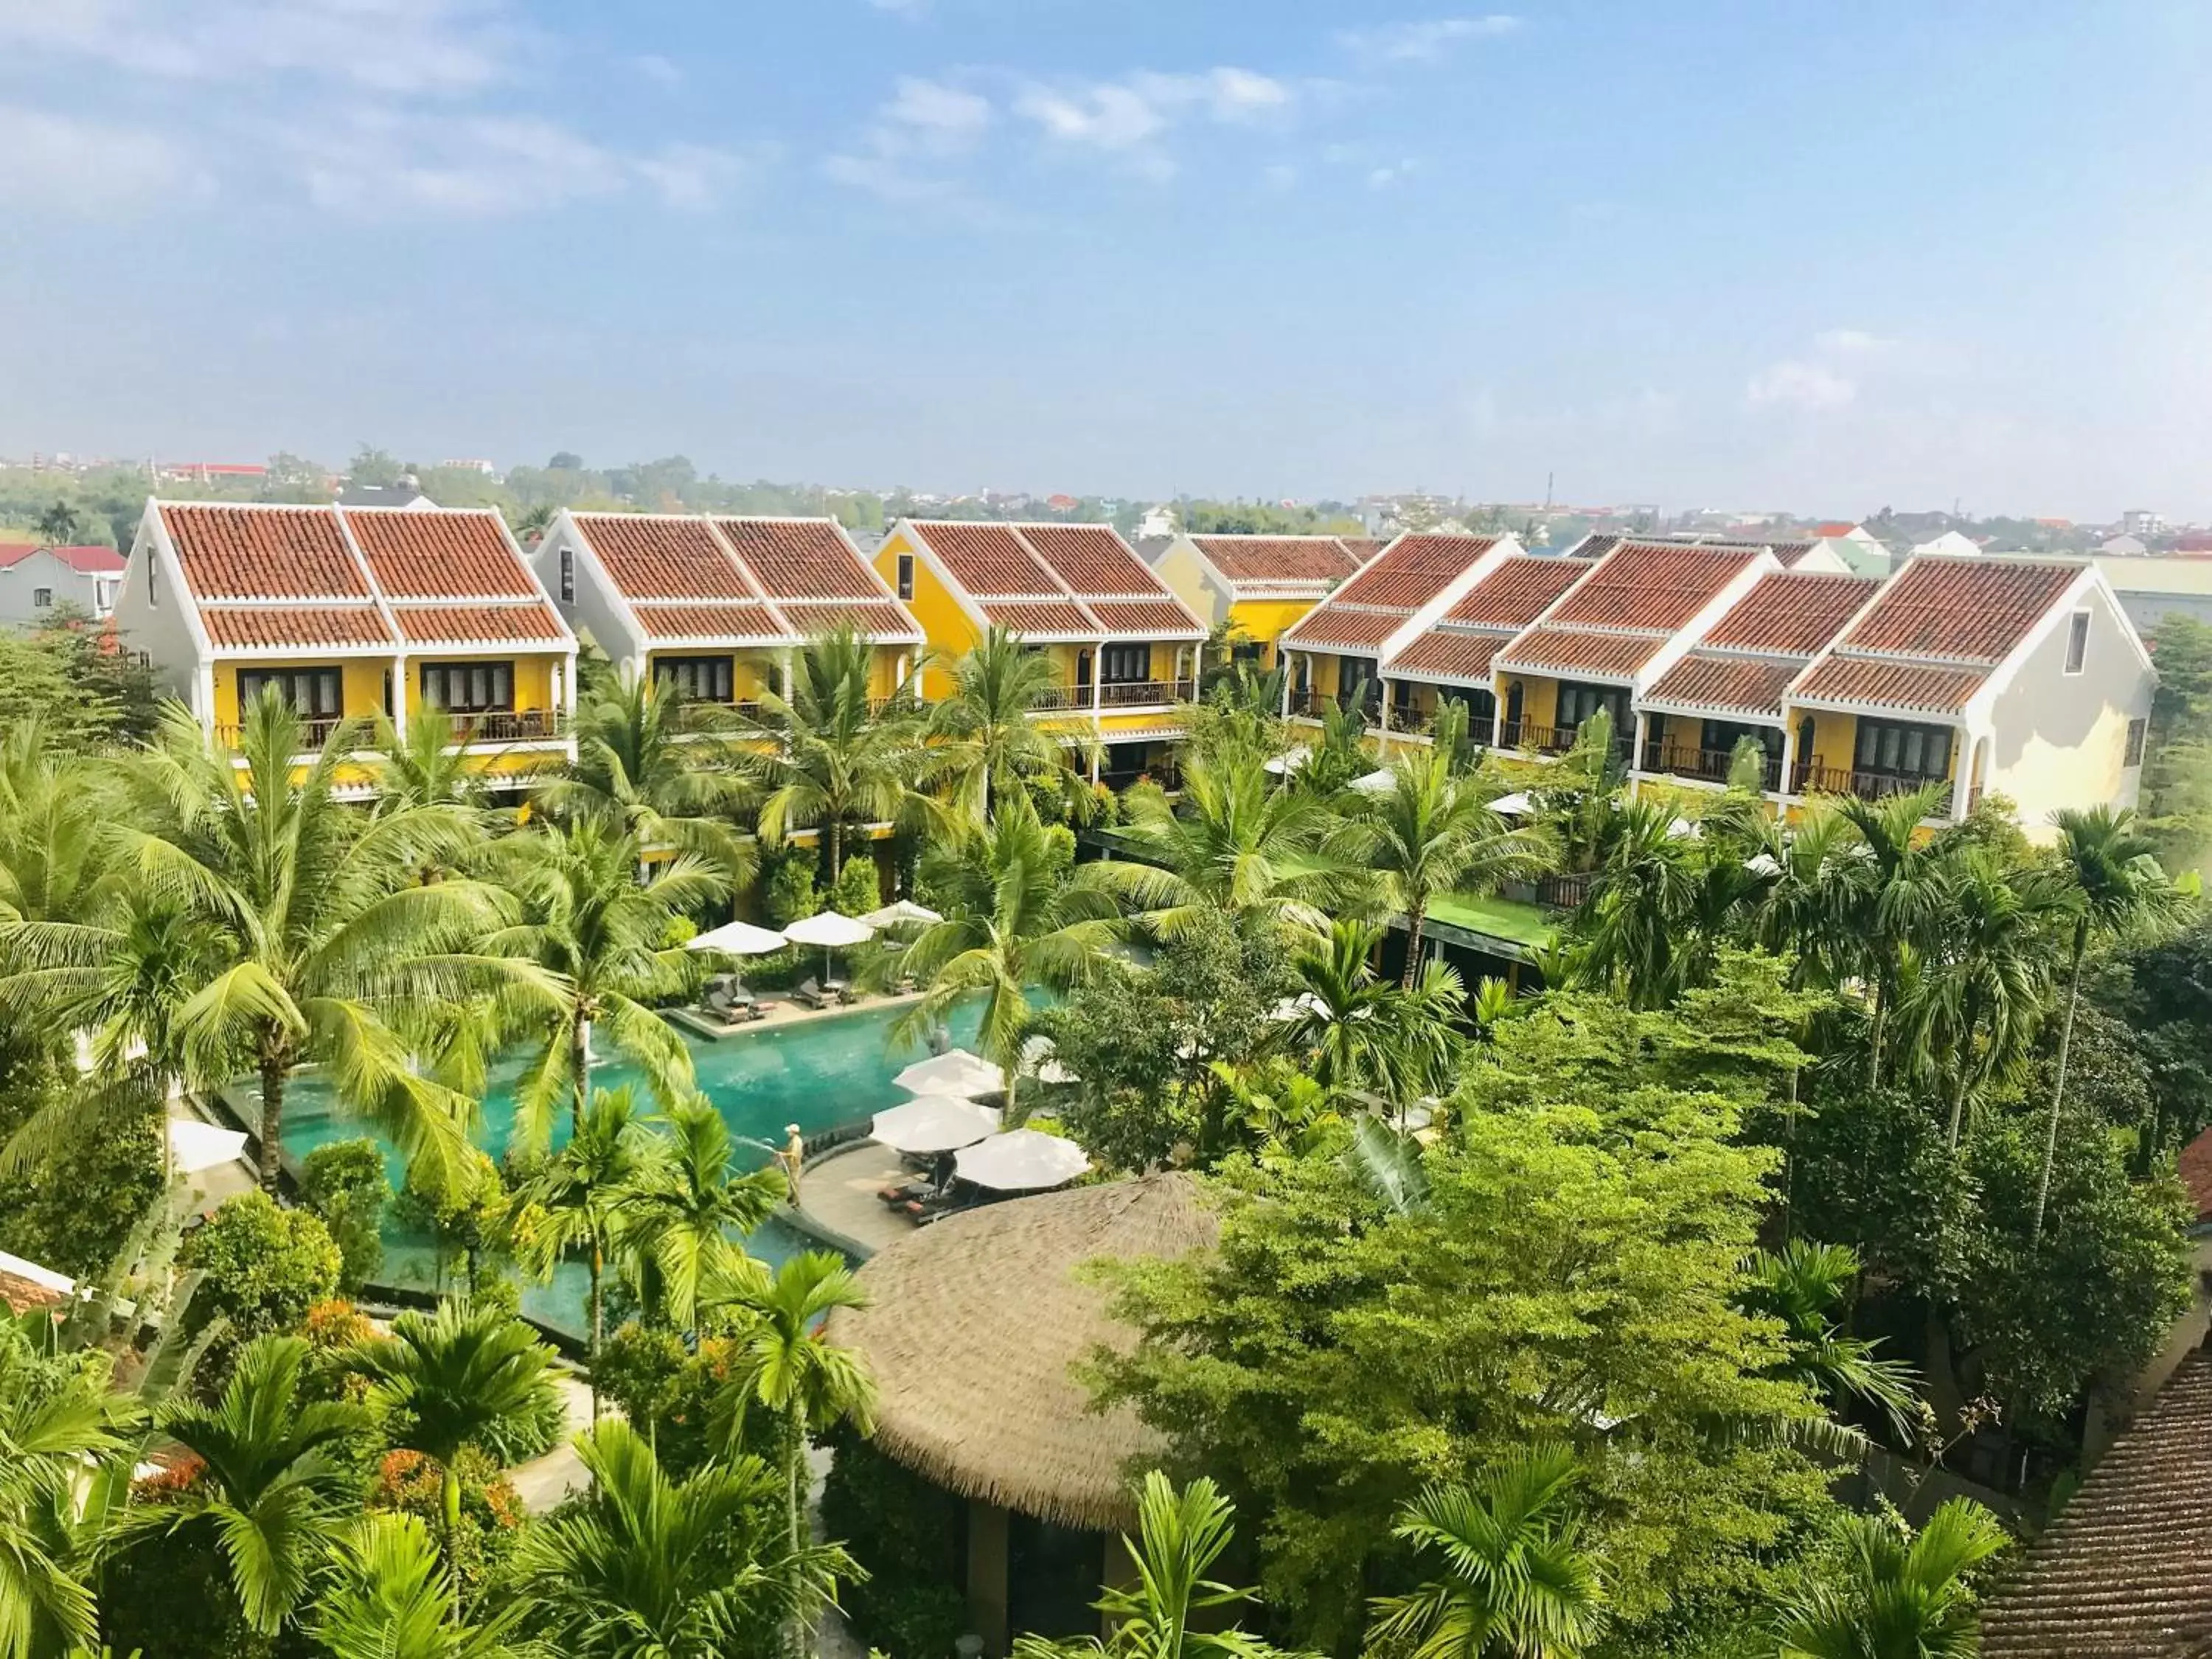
x: 1827, y: 257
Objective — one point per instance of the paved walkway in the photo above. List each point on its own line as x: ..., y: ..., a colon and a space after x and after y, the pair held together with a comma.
x: 778, y: 1008
x: 545, y: 1481
x: 839, y: 1188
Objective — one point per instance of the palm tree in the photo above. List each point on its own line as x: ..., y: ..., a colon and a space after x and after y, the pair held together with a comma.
x: 646, y: 1564
x: 984, y: 746
x: 1014, y: 915
x: 1517, y: 1579
x: 323, y: 947
x: 2114, y: 887
x: 1172, y: 1610
x: 57, y: 526
x: 683, y: 1215
x: 1900, y: 1600
x: 669, y: 772
x: 837, y: 764
x: 1361, y: 1031
x: 451, y: 1380
x: 575, y: 1200
x: 1802, y: 1284
x: 1636, y: 921
x: 810, y: 1385
x: 424, y: 765
x: 272, y: 1481
x: 53, y: 1422
x: 1895, y: 898
x: 390, y: 1598
x: 603, y: 941
x: 57, y: 866
x: 1430, y: 833
x: 1237, y: 844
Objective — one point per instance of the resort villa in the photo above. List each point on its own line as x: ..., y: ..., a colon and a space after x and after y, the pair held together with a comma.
x: 1125, y: 650
x: 2025, y: 677
x: 1256, y: 586
x: 352, y: 613
x: 717, y: 607
x: 36, y: 583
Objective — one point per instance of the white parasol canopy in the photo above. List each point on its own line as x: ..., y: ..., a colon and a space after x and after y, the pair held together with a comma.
x: 194, y: 1145
x: 1289, y: 761
x: 1376, y: 783
x: 955, y: 1071
x: 1297, y: 1007
x: 830, y: 930
x: 902, y: 913
x: 934, y: 1123
x: 1515, y: 806
x: 1020, y: 1161
x: 1039, y: 1061
x: 738, y: 938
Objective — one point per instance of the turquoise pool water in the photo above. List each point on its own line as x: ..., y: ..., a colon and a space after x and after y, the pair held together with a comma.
x: 818, y: 1074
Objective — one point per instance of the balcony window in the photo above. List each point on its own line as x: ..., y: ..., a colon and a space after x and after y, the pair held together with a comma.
x: 1578, y: 702
x: 906, y: 576
x: 568, y: 575
x: 317, y: 694
x: 698, y: 679
x: 1892, y: 749
x: 469, y: 688
x: 1121, y: 664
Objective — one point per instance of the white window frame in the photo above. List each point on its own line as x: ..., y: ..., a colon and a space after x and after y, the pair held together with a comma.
x: 2069, y: 666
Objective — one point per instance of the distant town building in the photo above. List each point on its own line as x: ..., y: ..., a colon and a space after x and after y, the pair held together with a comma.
x: 1951, y: 545
x: 2142, y: 522
x: 473, y: 463
x: 2123, y: 547
x: 206, y: 472
x: 37, y: 582
x: 406, y: 494
x: 1159, y: 523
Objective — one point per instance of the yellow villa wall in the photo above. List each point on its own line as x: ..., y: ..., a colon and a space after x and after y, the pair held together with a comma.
x: 752, y: 673
x: 1835, y: 738
x: 1540, y: 698
x: 362, y: 690
x: 943, y: 624
x: 1264, y: 620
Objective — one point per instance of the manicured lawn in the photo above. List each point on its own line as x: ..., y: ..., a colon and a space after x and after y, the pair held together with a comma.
x: 1527, y: 924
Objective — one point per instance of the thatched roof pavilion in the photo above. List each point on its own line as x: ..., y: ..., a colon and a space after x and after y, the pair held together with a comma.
x: 974, y: 1326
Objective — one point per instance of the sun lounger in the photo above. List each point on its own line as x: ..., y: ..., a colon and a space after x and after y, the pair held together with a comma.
x: 810, y: 994
x: 734, y: 1005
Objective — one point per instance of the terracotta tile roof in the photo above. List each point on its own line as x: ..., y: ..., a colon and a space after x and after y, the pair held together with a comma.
x: 1329, y: 627
x: 421, y: 555
x: 235, y: 552
x: 1655, y: 585
x: 1792, y: 612
x: 1571, y: 650
x: 742, y: 620
x: 799, y: 558
x: 2126, y: 1570
x: 1748, y: 685
x: 479, y: 624
x: 2195, y: 1168
x: 1153, y: 617
x: 1443, y: 654
x: 1414, y: 571
x: 277, y: 627
x: 22, y: 1294
x: 1516, y: 594
x: 1038, y: 616
x: 879, y: 618
x: 1789, y: 552
x: 648, y: 556
x: 988, y: 558
x: 1091, y: 559
x: 1963, y: 610
x: 1888, y: 685
x: 1596, y: 546
x: 1266, y: 560
x: 1364, y: 549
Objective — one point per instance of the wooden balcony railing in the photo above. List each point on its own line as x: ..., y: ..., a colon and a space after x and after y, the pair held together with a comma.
x: 508, y: 725
x: 1709, y: 765
x: 314, y: 734
x: 1562, y: 892
x: 1314, y: 704
x: 1814, y: 778
x: 1541, y: 739
x: 1140, y: 693
x: 1057, y: 698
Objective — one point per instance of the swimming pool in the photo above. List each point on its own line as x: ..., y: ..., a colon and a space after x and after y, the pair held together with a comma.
x: 819, y: 1073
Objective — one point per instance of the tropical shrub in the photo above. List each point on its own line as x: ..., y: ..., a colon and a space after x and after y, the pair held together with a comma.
x: 344, y: 1185
x: 788, y: 890
x: 857, y: 889
x: 262, y: 1267
x: 905, y: 1532
x: 73, y: 1206
x: 492, y: 1516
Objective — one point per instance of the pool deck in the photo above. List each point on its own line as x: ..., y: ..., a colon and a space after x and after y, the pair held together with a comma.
x: 837, y: 1195
x: 778, y: 1009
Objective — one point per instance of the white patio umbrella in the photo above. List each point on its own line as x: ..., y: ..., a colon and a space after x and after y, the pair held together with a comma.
x: 955, y: 1071
x: 902, y: 913
x: 1297, y: 1007
x: 1515, y: 806
x: 1375, y: 783
x: 194, y: 1145
x: 831, y: 931
x: 934, y: 1123
x: 1020, y: 1161
x: 1289, y: 761
x: 737, y: 938
x: 1039, y: 1061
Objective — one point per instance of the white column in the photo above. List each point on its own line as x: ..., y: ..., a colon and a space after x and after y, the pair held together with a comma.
x: 783, y: 675
x: 1382, y: 714
x: 1643, y: 736
x: 1788, y: 756
x: 1289, y: 678
x: 399, y: 696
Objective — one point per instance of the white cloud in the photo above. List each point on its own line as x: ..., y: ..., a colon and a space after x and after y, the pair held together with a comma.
x: 654, y: 67
x: 1109, y: 117
x: 399, y: 46
x: 53, y: 161
x: 1851, y: 342
x: 939, y: 115
x: 925, y: 124
x: 1800, y: 383
x: 696, y: 178
x: 1129, y: 119
x: 1390, y: 173
x: 1423, y: 41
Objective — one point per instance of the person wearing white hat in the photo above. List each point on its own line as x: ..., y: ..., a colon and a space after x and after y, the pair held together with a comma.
x: 793, y: 1156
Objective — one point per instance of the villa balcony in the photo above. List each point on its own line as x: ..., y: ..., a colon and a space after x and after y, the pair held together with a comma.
x: 314, y: 734
x: 510, y: 725
x: 1706, y: 765
x: 1312, y: 705
x: 1813, y: 778
x: 1144, y: 694
x: 1537, y: 739
x: 1060, y: 699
